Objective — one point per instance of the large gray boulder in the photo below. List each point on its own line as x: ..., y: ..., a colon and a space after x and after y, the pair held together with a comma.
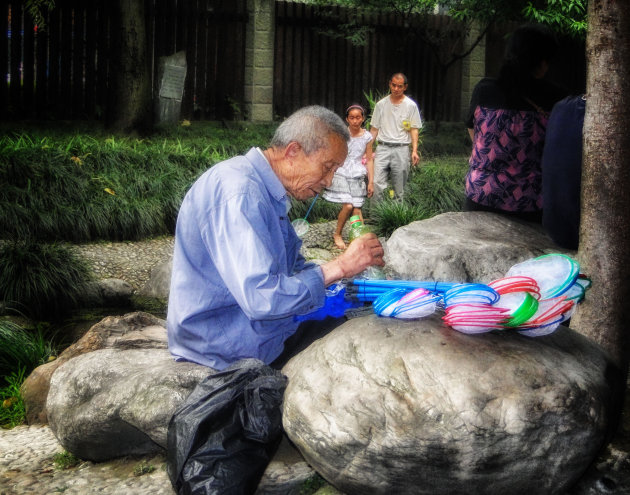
x: 464, y: 247
x: 389, y: 406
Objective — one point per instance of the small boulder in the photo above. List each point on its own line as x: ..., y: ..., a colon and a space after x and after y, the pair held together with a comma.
x: 464, y: 247
x: 107, y: 292
x: 131, y: 330
x: 111, y: 402
x: 159, y: 284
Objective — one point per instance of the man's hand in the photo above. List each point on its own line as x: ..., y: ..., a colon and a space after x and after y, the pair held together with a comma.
x: 361, y: 253
x: 415, y: 158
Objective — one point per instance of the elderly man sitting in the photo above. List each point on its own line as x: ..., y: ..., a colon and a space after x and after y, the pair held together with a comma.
x: 238, y: 277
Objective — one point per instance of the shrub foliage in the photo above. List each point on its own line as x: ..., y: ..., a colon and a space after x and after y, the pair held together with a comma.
x: 41, y: 280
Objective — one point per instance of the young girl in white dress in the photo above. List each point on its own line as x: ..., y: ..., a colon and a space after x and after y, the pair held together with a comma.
x: 349, y: 184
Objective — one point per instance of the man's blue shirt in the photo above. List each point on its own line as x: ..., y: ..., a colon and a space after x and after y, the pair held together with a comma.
x: 238, y: 277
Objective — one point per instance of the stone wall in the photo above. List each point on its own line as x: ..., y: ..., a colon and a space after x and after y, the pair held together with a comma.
x: 259, y: 60
x: 473, y: 68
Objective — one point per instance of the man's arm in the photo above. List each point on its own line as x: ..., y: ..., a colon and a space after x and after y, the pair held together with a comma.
x: 374, y: 132
x: 246, y: 257
x: 415, y: 156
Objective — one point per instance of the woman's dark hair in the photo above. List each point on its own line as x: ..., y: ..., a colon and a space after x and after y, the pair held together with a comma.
x: 528, y: 46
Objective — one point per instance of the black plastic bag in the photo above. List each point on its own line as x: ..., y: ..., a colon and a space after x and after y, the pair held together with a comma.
x: 222, y: 438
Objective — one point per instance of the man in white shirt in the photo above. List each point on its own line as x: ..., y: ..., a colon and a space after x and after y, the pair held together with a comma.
x: 396, y: 122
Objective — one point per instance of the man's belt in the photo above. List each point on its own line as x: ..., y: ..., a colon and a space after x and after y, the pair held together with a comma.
x: 393, y: 145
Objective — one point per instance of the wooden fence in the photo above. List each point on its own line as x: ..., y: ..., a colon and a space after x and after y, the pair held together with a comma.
x: 312, y: 67
x: 63, y: 71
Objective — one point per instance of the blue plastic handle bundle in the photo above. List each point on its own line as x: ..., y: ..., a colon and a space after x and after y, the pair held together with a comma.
x: 369, y: 290
x: 533, y: 298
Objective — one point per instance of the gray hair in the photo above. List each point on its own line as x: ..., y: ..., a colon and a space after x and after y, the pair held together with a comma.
x: 310, y: 127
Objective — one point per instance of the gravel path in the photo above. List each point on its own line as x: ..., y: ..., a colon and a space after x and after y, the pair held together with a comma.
x: 128, y: 261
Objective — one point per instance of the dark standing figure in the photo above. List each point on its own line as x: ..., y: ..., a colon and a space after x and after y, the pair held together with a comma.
x: 562, y: 171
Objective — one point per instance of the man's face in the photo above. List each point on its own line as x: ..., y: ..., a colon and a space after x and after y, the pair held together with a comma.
x: 397, y: 86
x: 309, y: 175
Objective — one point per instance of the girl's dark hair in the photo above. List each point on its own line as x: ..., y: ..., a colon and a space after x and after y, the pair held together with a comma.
x: 527, y: 47
x: 358, y: 107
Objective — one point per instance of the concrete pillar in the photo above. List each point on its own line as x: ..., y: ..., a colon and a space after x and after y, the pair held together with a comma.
x: 259, y: 47
x: 473, y: 67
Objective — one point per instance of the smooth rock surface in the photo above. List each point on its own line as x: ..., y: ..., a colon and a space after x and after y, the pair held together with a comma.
x: 159, y: 284
x: 137, y: 329
x: 389, y: 406
x: 464, y: 247
x: 111, y: 403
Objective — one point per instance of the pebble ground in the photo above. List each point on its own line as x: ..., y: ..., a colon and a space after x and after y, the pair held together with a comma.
x: 27, y: 465
x: 128, y: 261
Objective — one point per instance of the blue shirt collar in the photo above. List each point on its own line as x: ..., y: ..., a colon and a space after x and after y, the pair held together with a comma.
x: 269, y: 177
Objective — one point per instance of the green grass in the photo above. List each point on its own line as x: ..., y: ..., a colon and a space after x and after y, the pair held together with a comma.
x: 12, y: 409
x: 312, y: 484
x: 77, y: 183
x: 65, y: 460
x: 450, y: 138
x: 21, y: 351
x: 143, y: 468
x: 437, y: 185
x: 22, y: 348
x: 388, y: 215
x: 321, y: 211
x: 77, y: 187
x: 43, y: 281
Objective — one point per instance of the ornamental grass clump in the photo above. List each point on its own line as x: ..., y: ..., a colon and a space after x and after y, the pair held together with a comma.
x: 22, y: 348
x: 84, y: 189
x: 437, y: 186
x: 21, y: 351
x: 12, y: 408
x: 42, y: 281
x: 387, y: 215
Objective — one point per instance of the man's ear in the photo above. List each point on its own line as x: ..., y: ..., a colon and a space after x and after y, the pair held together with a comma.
x: 292, y: 150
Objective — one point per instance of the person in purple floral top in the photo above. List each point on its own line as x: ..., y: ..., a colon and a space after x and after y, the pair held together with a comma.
x: 507, y: 123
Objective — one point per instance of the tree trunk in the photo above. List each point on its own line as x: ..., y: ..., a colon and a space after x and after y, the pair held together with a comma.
x: 129, y: 102
x: 604, y: 250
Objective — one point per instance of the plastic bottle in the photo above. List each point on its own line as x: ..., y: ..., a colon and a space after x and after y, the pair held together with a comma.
x: 357, y: 229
